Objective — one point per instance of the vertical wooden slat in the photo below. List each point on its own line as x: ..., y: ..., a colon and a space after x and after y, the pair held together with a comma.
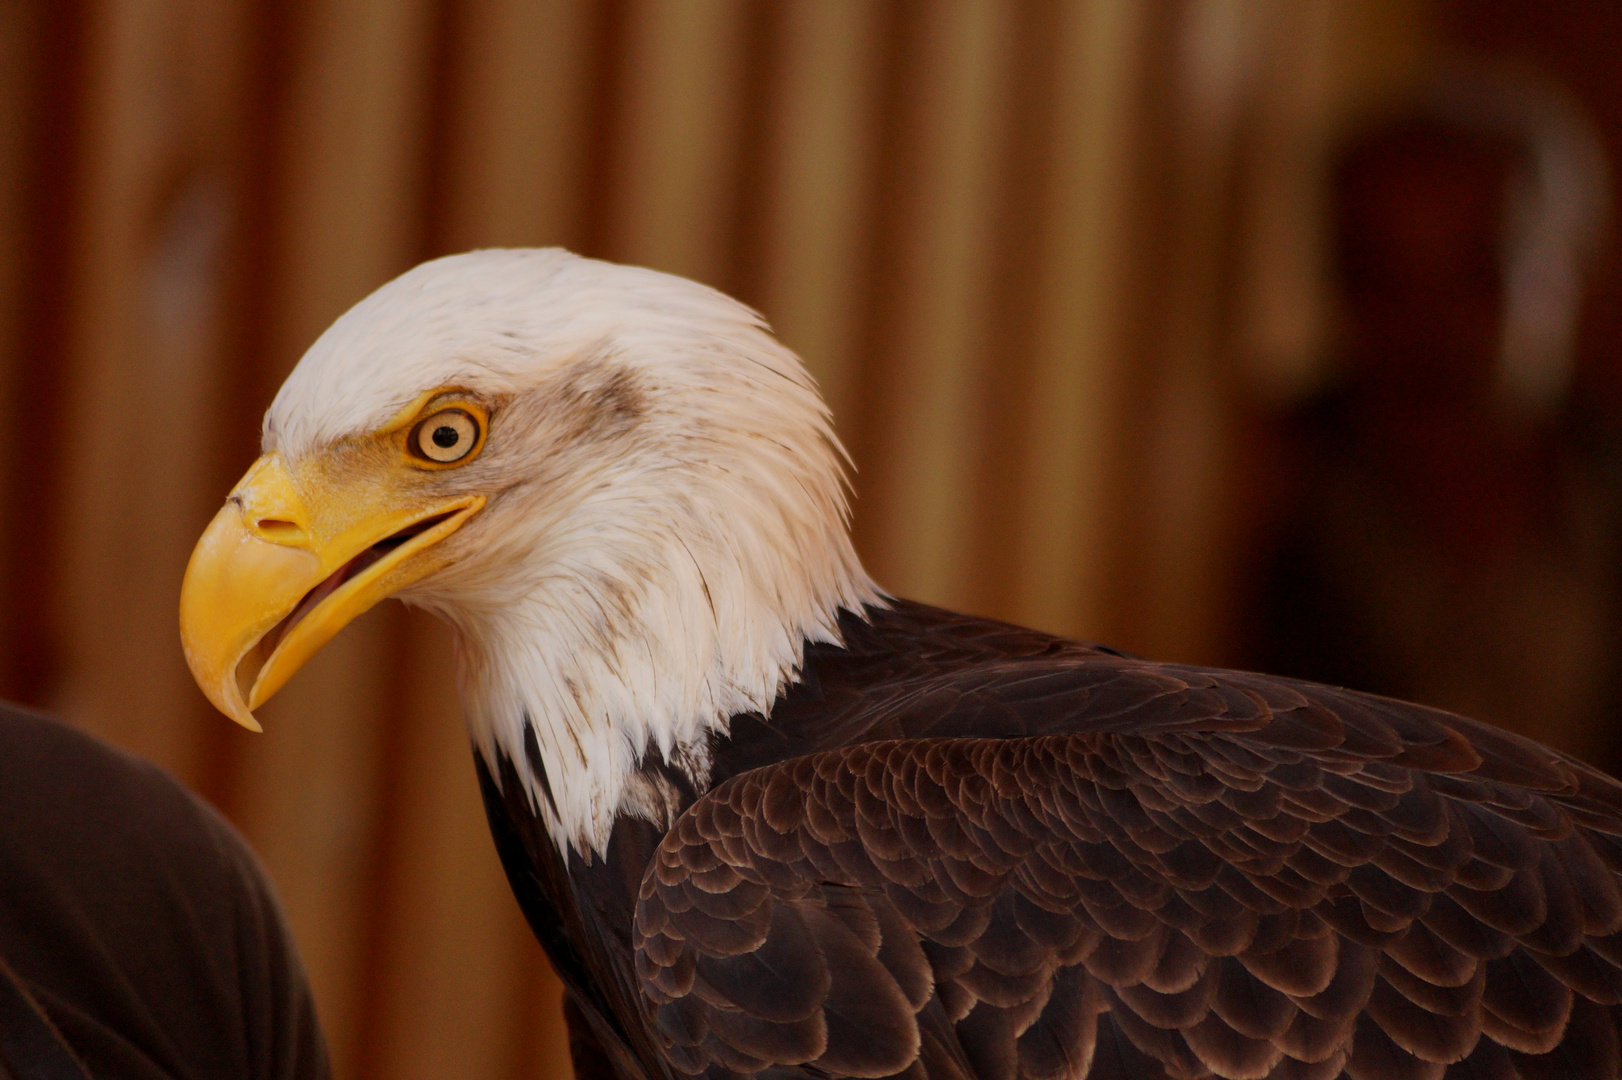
x: 351, y: 187
x: 546, y: 1057
x: 21, y: 41
x: 50, y: 179
x: 1003, y: 377
x: 461, y: 958
x: 19, y: 31
x: 519, y: 145
x: 1144, y: 270
x: 746, y: 186
x: 1279, y: 305
x: 823, y: 141
x: 1182, y: 418
x: 353, y: 160
x: 1057, y: 539
x: 158, y: 199
x: 675, y: 144
x: 920, y: 439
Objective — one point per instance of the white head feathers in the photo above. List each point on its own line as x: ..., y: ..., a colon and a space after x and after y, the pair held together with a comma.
x: 667, y: 514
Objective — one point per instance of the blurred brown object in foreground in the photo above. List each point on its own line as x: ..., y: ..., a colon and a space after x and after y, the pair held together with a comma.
x: 1450, y: 533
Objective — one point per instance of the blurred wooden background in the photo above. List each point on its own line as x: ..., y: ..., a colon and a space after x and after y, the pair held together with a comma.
x: 1037, y: 254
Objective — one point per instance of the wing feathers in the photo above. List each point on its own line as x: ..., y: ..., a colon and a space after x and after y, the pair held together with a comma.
x: 1225, y: 876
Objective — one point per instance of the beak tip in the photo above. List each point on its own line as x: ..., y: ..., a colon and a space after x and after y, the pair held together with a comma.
x: 246, y: 719
x: 232, y: 705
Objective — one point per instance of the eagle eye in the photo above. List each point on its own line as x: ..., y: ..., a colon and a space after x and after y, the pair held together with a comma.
x: 446, y: 437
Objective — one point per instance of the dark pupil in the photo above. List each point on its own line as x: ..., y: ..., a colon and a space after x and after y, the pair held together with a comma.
x: 445, y: 437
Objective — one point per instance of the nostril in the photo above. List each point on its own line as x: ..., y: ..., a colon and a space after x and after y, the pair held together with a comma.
x: 277, y: 529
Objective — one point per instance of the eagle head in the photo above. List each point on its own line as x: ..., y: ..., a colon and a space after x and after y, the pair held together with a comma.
x: 621, y: 492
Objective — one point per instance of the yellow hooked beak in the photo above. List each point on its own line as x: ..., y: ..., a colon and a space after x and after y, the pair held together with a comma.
x: 290, y: 560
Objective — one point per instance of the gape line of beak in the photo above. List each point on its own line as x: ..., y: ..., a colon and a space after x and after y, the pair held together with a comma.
x: 266, y: 589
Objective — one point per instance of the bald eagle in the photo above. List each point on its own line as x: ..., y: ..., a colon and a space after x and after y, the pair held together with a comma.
x: 769, y: 821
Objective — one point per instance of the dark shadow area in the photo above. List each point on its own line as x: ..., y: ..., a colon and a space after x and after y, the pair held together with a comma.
x: 1449, y: 529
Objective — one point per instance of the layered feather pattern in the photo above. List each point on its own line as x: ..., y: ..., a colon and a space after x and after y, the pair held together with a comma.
x: 1210, y: 875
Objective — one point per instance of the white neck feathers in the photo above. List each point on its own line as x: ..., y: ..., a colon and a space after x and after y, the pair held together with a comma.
x: 646, y: 651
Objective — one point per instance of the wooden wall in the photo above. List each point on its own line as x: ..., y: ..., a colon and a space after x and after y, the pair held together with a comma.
x: 1023, y: 245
